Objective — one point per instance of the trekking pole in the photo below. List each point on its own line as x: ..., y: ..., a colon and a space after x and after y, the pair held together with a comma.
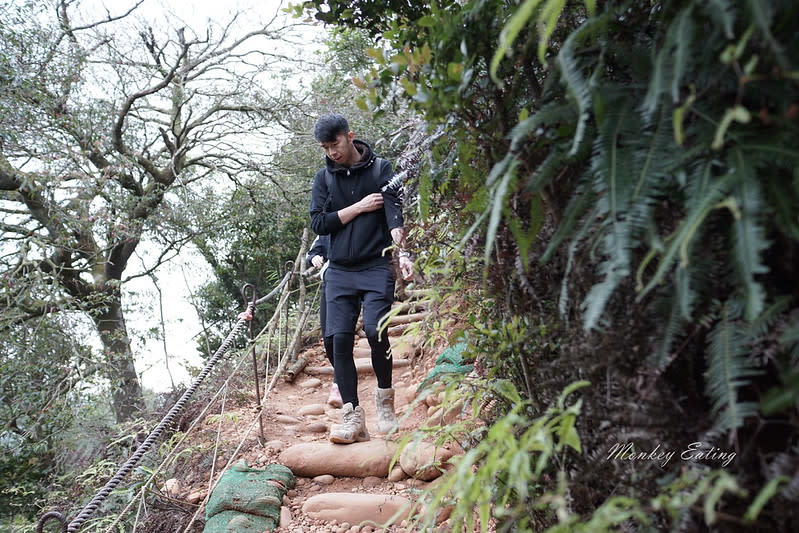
x: 249, y: 300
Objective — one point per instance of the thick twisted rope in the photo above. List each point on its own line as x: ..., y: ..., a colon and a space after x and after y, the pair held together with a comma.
x: 120, y: 475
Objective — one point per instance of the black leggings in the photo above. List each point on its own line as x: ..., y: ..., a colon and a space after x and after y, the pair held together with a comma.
x: 344, y: 364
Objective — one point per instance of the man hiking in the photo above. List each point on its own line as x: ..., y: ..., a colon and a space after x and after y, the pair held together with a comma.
x: 348, y: 203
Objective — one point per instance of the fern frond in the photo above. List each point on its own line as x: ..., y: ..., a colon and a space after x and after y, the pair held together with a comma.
x: 762, y: 12
x: 749, y: 241
x: 783, y: 197
x: 685, y: 293
x: 768, y: 318
x: 510, y: 32
x: 667, y: 307
x: 671, y: 61
x: 563, y: 299
x: 722, y: 12
x: 499, y: 191
x: 705, y: 192
x: 570, y: 69
x: 550, y: 114
x: 614, y: 269
x: 612, y: 169
x: 583, y: 198
x: 729, y: 370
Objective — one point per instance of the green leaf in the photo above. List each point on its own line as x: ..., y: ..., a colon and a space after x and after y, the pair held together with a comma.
x: 549, y: 20
x: 509, y: 33
x: 781, y: 397
x: 567, y: 433
x: 738, y: 114
x: 498, y: 194
x: 679, y: 116
x: 768, y: 491
x: 426, y: 21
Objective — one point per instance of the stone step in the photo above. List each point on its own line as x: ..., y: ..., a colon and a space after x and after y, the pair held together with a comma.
x: 353, y: 508
x: 359, y: 459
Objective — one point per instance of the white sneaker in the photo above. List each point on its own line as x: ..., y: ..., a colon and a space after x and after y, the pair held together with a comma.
x: 386, y: 419
x: 352, y: 428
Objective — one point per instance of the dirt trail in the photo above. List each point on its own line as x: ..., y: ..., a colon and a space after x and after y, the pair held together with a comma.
x: 290, y: 418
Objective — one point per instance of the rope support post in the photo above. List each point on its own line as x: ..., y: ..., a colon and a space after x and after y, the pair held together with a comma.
x: 248, y: 293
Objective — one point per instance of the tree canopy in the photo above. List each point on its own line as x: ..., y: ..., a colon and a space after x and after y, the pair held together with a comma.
x: 105, y: 121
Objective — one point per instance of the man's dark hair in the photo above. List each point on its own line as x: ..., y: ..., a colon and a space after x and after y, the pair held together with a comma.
x: 329, y: 126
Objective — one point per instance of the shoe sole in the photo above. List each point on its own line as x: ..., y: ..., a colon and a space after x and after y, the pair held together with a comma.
x: 340, y: 440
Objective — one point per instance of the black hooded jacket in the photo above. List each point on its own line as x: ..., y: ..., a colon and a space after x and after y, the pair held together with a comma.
x: 360, y: 244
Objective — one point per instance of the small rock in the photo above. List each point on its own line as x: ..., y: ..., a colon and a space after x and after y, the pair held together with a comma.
x: 432, y: 400
x: 172, y: 487
x: 397, y: 474
x: 196, y: 496
x: 316, y: 427
x: 312, y: 409
x: 324, y: 479
x: 424, y: 460
x: 285, y: 517
x: 371, y: 481
x: 276, y: 445
x: 310, y: 383
x: 410, y: 394
x: 286, y: 419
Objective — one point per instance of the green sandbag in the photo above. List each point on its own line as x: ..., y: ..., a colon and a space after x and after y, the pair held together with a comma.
x: 250, y: 490
x: 235, y: 522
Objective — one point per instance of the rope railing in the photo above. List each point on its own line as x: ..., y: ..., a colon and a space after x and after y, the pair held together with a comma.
x: 156, y: 433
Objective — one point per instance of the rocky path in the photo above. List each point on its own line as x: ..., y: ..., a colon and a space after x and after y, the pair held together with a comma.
x: 348, y: 488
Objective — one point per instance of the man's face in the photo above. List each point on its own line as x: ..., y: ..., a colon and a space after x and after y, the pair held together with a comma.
x: 342, y: 150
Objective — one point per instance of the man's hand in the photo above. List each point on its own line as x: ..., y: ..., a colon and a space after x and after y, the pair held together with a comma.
x: 371, y: 202
x: 245, y: 315
x: 406, y: 267
x: 318, y: 261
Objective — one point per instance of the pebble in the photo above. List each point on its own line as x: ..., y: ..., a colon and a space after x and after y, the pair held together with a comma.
x: 371, y: 481
x: 312, y: 409
x: 286, y: 419
x: 324, y: 479
x: 276, y: 445
x: 310, y: 383
x: 317, y: 427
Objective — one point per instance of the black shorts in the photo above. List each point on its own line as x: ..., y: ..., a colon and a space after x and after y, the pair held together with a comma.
x: 346, y: 290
